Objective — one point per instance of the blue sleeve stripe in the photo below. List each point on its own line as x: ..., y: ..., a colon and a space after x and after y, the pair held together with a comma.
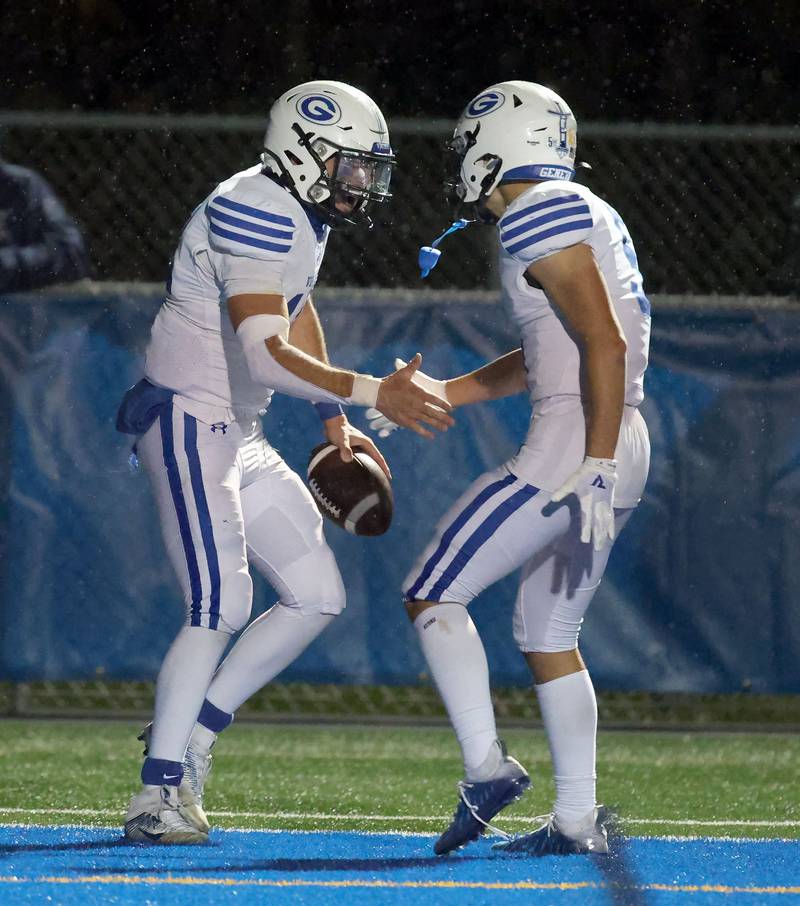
x: 248, y: 240
x: 560, y: 214
x: 546, y: 234
x: 540, y: 206
x: 253, y: 212
x: 247, y: 225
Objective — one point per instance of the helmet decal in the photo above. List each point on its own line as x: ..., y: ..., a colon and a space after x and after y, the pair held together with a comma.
x: 531, y: 138
x: 319, y: 108
x: 485, y: 103
x: 340, y: 165
x: 562, y: 147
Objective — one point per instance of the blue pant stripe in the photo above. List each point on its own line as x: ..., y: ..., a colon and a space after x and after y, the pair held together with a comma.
x: 458, y: 523
x: 178, y: 500
x: 203, y: 514
x: 479, y: 537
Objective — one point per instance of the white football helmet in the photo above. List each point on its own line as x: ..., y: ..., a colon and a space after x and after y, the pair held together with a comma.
x: 320, y: 122
x: 511, y: 132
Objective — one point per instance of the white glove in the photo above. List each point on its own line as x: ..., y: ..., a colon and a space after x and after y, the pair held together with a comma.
x: 593, y: 484
x: 384, y: 426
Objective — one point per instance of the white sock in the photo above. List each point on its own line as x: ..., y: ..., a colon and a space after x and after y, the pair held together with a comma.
x: 569, y: 712
x: 457, y: 661
x: 181, y: 687
x: 268, y: 645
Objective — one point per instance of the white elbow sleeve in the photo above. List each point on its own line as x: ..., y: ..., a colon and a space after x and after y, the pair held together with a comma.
x: 258, y: 328
x: 264, y: 368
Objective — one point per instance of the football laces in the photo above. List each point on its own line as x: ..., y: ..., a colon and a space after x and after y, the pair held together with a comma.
x: 329, y: 506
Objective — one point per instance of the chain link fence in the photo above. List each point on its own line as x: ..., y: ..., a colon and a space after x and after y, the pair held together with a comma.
x: 710, y: 208
x: 408, y: 704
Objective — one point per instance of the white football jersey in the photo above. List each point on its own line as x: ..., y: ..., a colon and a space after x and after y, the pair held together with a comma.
x: 549, y: 217
x: 250, y: 235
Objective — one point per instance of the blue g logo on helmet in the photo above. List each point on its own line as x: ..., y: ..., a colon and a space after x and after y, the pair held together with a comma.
x: 319, y: 108
x: 485, y: 103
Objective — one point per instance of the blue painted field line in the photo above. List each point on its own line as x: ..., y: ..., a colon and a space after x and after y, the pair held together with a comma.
x: 82, y: 865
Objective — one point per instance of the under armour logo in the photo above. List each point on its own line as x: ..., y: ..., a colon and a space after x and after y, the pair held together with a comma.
x: 219, y: 426
x: 598, y: 482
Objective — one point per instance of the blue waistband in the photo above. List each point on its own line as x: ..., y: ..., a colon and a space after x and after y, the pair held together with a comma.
x: 141, y: 406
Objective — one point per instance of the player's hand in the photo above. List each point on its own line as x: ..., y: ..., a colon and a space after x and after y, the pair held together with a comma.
x: 407, y: 404
x: 593, y: 484
x: 340, y: 432
x: 379, y: 424
x: 384, y: 426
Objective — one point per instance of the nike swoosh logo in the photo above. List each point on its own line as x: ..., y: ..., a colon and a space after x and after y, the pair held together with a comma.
x: 171, y: 776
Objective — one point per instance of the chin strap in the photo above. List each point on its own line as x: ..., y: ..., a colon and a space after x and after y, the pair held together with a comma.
x: 429, y: 254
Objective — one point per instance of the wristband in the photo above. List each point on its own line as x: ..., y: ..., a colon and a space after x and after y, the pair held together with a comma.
x: 328, y: 410
x: 365, y: 390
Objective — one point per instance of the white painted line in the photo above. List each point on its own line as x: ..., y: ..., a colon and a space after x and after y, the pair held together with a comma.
x: 328, y: 816
x: 282, y: 832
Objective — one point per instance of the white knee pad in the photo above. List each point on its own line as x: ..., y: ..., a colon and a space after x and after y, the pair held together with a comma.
x: 317, y: 589
x: 554, y: 628
x: 236, y: 601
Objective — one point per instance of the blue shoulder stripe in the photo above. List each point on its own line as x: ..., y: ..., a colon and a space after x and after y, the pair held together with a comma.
x: 546, y: 234
x: 540, y: 206
x: 253, y: 212
x: 247, y: 225
x: 248, y: 240
x: 559, y: 214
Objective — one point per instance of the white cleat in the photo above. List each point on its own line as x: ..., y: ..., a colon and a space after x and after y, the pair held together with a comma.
x: 196, y: 768
x: 155, y: 817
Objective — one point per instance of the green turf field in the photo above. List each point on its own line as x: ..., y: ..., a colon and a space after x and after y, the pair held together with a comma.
x: 402, y: 778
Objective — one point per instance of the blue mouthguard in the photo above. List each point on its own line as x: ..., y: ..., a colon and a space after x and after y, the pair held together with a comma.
x: 429, y: 255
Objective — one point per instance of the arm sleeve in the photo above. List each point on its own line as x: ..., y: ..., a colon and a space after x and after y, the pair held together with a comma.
x: 254, y: 244
x: 554, y: 220
x: 265, y: 370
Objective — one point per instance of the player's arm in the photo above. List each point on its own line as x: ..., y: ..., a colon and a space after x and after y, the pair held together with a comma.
x: 505, y: 376
x: 261, y: 322
x: 306, y: 334
x: 574, y: 284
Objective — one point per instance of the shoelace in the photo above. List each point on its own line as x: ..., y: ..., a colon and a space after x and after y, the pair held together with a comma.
x: 544, y: 820
x: 462, y: 787
x: 198, y: 769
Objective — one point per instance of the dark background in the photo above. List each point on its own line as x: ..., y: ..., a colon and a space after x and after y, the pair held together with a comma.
x: 732, y: 62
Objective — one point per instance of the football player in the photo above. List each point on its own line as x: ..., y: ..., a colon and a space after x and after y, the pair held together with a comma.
x: 571, y: 284
x: 237, y: 324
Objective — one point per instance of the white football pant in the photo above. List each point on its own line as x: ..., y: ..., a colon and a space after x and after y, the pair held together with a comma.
x: 226, y: 498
